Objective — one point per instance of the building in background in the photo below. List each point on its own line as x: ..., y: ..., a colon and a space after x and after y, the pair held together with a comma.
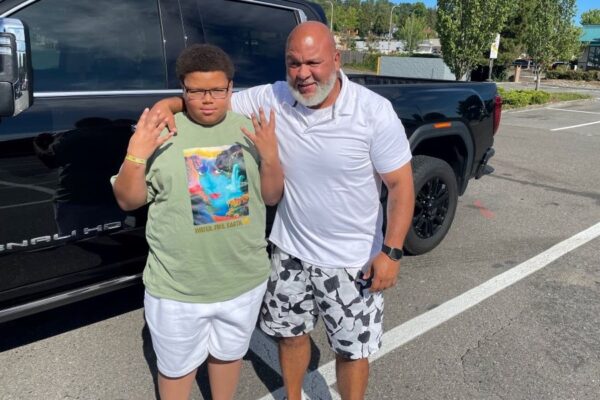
x: 590, y: 58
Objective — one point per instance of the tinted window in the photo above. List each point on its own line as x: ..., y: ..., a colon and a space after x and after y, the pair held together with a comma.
x: 594, y: 58
x: 252, y: 34
x: 95, y: 45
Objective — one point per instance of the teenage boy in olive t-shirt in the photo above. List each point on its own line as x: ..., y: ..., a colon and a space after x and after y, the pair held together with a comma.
x: 206, y: 188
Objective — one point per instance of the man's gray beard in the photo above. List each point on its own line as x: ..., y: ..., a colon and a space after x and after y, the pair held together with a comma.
x: 320, y: 95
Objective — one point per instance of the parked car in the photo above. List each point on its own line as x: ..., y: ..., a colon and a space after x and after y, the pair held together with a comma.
x: 97, y: 64
x: 561, y: 64
x: 523, y: 63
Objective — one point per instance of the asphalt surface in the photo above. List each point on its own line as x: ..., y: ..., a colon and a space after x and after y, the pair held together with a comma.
x: 535, y: 339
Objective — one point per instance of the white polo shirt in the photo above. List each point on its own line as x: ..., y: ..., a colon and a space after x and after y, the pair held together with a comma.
x: 330, y: 213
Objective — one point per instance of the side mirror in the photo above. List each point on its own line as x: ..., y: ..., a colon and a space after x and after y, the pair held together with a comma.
x: 16, y: 94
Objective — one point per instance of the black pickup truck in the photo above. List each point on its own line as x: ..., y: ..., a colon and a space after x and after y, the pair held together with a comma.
x: 74, y: 77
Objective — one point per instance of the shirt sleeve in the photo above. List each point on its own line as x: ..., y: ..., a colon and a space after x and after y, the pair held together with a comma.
x: 247, y: 101
x: 390, y: 148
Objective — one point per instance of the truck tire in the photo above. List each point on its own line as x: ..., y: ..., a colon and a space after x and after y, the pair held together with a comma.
x: 436, y: 197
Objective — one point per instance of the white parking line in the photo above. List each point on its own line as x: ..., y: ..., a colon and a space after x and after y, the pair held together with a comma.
x: 574, y: 126
x: 521, y: 111
x: 575, y: 111
x: 316, y: 382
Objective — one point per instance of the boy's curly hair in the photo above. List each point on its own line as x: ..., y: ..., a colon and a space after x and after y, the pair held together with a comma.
x: 203, y: 58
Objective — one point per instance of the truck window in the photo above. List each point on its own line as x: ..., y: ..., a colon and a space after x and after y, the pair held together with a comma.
x: 95, y: 45
x: 253, y: 34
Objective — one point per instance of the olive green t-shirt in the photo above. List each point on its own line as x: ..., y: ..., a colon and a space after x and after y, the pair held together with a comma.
x: 206, y: 217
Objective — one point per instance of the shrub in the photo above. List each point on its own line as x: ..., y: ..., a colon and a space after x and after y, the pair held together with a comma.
x: 522, y: 98
x: 573, y: 75
x: 369, y: 62
x: 539, y: 97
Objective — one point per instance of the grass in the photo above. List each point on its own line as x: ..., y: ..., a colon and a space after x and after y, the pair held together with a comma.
x: 566, y: 96
x: 523, y: 98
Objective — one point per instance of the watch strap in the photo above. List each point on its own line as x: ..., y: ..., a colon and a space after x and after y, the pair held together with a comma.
x: 393, y: 253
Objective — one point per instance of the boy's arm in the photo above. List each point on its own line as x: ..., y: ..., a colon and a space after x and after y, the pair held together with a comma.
x: 130, y: 184
x: 271, y: 172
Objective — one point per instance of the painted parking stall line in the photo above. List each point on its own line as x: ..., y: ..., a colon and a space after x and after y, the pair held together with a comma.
x: 574, y: 126
x: 575, y: 111
x: 316, y: 382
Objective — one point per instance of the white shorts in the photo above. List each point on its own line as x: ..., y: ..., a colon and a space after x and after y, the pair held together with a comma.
x: 184, y: 334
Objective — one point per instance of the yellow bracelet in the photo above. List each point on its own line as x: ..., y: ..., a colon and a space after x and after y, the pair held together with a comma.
x: 135, y: 159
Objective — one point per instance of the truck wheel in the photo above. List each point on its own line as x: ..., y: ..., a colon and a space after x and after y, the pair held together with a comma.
x: 435, y: 204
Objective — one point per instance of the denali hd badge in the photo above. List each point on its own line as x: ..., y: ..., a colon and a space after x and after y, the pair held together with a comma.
x: 55, y: 239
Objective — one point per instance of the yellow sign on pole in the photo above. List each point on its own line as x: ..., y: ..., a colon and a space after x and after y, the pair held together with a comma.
x: 494, y: 48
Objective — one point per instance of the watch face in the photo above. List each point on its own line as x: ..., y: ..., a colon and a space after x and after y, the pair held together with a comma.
x: 392, y: 252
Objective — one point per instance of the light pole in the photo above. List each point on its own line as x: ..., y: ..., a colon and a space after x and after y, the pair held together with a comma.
x: 331, y: 20
x: 390, y: 34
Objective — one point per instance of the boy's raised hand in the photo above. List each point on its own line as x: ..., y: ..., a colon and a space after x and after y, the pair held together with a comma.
x: 264, y: 137
x: 147, y: 137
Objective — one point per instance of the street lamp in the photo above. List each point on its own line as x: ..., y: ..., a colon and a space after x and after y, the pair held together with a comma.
x: 331, y: 20
x: 390, y: 34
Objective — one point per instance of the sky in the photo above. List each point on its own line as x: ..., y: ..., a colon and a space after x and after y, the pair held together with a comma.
x: 582, y: 6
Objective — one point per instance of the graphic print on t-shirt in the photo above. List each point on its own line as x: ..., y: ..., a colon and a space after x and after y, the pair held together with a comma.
x: 217, y: 184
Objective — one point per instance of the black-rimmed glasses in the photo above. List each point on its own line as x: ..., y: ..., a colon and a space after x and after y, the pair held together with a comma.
x: 197, y: 94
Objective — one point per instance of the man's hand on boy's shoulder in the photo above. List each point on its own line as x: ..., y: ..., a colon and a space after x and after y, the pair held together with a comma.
x: 167, y: 108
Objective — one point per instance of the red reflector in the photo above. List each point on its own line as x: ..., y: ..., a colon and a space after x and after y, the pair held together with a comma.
x: 497, y: 112
x: 441, y: 125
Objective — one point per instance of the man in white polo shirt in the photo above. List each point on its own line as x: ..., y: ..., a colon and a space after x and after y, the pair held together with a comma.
x: 337, y: 142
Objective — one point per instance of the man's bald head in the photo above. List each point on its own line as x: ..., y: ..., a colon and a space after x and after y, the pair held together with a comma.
x: 312, y: 33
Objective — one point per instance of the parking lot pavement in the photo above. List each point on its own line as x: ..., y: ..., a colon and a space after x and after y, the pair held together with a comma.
x: 580, y: 117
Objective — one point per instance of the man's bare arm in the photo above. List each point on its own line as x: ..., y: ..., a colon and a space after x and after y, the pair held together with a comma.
x: 167, y: 108
x: 400, y: 209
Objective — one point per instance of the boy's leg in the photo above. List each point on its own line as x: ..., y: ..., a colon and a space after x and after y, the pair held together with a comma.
x: 294, y: 357
x: 175, y: 388
x: 229, y: 339
x: 223, y: 377
x: 352, y: 377
x: 179, y: 334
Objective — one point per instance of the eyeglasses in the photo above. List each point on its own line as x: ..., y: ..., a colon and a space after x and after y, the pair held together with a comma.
x: 197, y: 94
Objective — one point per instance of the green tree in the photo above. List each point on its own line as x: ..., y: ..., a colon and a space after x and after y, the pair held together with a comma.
x: 382, y: 14
x: 591, y: 17
x: 512, y: 36
x: 550, y: 35
x: 467, y: 28
x: 412, y: 32
x: 346, y: 23
x: 366, y: 18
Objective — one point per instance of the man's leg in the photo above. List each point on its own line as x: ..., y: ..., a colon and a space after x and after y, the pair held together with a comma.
x: 353, y: 318
x: 223, y: 377
x: 175, y: 388
x: 294, y: 356
x: 289, y: 314
x: 352, y: 377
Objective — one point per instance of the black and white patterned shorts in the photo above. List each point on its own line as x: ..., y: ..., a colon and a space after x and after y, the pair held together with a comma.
x: 297, y: 292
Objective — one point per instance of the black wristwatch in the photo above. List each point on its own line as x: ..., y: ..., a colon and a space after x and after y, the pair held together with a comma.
x: 392, y: 252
